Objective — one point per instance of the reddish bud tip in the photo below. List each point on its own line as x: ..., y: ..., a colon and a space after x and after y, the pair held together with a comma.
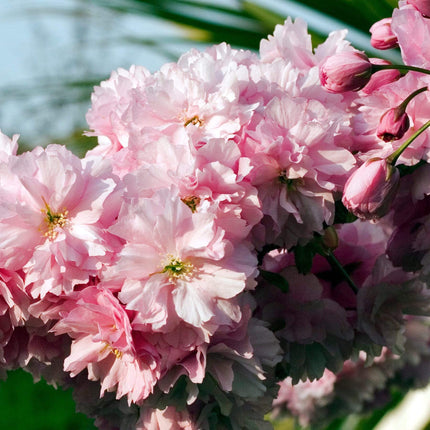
x: 382, y: 35
x: 345, y: 71
x: 369, y: 191
x: 394, y: 123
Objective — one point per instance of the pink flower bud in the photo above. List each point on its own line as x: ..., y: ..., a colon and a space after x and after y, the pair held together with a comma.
x: 381, y: 77
x: 422, y: 6
x: 382, y: 35
x: 345, y: 71
x: 369, y: 191
x: 394, y: 123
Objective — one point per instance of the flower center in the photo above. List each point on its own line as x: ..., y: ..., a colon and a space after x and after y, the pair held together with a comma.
x: 290, y: 183
x: 116, y: 352
x: 53, y: 220
x: 195, y: 120
x: 176, y: 268
x: 192, y: 202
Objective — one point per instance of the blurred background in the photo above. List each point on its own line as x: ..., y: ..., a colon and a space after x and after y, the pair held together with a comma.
x: 52, y: 54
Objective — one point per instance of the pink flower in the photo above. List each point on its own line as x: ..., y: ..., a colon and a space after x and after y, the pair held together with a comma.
x: 394, y: 123
x: 8, y: 146
x: 373, y: 106
x: 290, y: 41
x: 423, y: 6
x: 382, y: 35
x: 346, y: 71
x: 176, y: 266
x: 306, y: 397
x: 381, y: 77
x: 109, y: 102
x: 407, y: 21
x: 50, y: 219
x: 387, y: 296
x: 371, y: 188
x: 103, y: 343
x: 360, y: 244
x: 296, y: 166
x: 14, y: 304
x: 305, y: 317
x: 168, y: 418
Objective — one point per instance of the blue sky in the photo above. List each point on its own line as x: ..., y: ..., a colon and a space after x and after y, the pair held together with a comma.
x: 55, y: 40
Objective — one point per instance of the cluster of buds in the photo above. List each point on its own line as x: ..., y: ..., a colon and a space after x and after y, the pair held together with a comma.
x: 371, y: 189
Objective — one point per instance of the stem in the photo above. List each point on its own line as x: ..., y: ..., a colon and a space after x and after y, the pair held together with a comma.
x: 401, y: 67
x: 406, y: 101
x: 335, y: 262
x: 392, y: 159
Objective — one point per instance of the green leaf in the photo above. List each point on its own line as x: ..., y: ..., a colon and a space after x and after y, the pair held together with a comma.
x: 275, y: 279
x: 304, y: 256
x: 342, y: 215
x: 407, y: 170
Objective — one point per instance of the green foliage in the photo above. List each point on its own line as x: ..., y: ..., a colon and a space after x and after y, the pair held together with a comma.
x: 245, y: 23
x: 26, y: 405
x: 358, y: 14
x: 342, y: 215
x: 304, y: 256
x: 407, y: 170
x: 275, y: 279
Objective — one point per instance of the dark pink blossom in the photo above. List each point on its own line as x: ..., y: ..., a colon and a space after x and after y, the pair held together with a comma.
x: 394, y: 123
x: 346, y: 71
x: 382, y: 35
x: 381, y: 77
x: 371, y: 188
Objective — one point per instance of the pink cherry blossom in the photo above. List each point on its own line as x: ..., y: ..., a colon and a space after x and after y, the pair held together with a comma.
x: 103, y: 344
x: 168, y: 418
x: 421, y: 6
x: 109, y: 102
x: 393, y: 124
x: 8, y: 146
x: 388, y: 294
x: 371, y: 189
x: 408, y: 20
x: 372, y: 107
x: 306, y: 397
x: 382, y: 35
x: 296, y: 166
x: 209, y: 181
x: 50, y: 220
x: 346, y: 71
x: 179, y: 262
x: 381, y: 77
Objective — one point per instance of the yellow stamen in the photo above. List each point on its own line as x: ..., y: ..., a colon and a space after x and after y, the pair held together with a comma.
x: 195, y: 120
x: 176, y: 268
x: 192, y: 202
x: 53, y: 220
x: 116, y: 352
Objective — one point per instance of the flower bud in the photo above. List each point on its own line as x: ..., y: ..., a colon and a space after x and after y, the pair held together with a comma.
x: 394, y: 123
x: 382, y: 35
x: 381, y: 77
x: 330, y: 239
x: 369, y: 191
x: 422, y: 6
x: 345, y: 71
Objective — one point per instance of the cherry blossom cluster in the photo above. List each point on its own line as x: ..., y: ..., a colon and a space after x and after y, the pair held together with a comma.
x: 388, y: 192
x: 248, y: 224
